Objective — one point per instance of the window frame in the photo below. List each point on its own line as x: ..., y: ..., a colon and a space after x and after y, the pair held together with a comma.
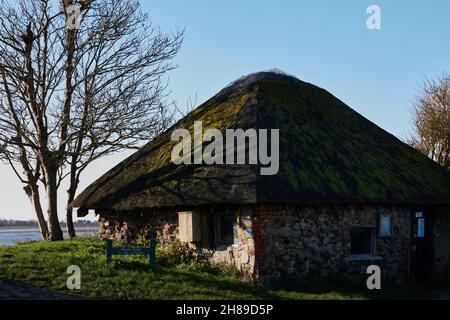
x: 217, y: 229
x: 380, y: 216
x: 373, y: 233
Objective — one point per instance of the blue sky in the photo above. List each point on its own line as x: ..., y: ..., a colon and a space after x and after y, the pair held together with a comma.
x: 378, y: 73
x: 327, y: 43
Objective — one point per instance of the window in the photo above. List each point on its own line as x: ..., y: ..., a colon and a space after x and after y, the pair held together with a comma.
x: 225, y: 229
x: 384, y: 225
x: 363, y: 240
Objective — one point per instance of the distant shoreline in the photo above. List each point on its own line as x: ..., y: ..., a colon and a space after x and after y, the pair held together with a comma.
x: 37, y: 227
x: 11, y: 236
x: 23, y: 224
x: 18, y: 227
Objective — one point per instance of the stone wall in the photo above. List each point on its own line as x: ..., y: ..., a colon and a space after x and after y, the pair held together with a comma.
x: 242, y: 253
x: 441, y: 246
x: 127, y: 227
x: 286, y: 244
x: 163, y: 224
x: 307, y: 243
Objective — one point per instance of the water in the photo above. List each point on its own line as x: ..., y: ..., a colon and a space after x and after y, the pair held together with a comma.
x: 12, y: 236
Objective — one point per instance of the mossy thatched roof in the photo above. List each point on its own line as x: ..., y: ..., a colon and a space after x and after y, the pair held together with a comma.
x: 328, y: 154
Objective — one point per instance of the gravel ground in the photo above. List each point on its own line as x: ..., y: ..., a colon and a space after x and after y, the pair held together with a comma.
x: 12, y: 290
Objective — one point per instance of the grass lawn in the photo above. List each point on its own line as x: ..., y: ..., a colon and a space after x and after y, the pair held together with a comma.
x: 130, y: 277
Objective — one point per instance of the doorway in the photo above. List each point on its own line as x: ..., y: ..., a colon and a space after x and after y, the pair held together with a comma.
x: 421, y: 247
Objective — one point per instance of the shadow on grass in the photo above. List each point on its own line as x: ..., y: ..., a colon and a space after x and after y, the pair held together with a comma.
x: 333, y: 288
x: 129, y: 277
x: 205, y: 277
x: 208, y: 278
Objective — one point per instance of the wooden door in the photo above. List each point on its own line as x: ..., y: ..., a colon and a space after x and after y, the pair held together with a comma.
x: 421, y: 247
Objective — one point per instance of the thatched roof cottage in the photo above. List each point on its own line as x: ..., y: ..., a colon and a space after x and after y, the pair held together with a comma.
x: 347, y: 194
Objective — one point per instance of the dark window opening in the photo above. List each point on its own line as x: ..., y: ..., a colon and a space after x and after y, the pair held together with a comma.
x: 225, y: 229
x: 363, y: 240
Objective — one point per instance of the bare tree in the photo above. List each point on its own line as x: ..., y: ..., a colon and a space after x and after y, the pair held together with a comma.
x: 431, y: 120
x: 80, y: 80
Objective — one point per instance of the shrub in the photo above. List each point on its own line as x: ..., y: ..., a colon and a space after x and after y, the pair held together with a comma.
x: 175, y: 253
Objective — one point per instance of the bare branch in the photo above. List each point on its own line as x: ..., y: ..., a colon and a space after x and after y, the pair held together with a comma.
x: 431, y: 120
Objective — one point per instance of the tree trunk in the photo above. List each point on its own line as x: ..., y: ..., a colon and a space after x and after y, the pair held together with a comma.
x: 73, y: 185
x: 52, y: 197
x: 69, y: 216
x: 32, y: 192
